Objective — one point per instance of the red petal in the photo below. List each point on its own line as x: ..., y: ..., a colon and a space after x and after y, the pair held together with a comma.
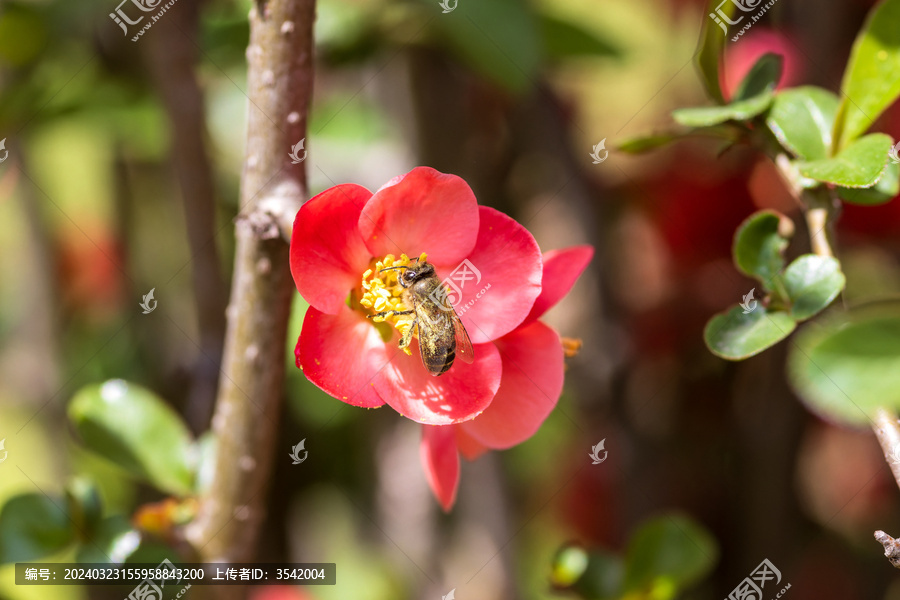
x: 507, y: 259
x: 441, y: 463
x: 342, y: 354
x: 561, y: 269
x: 328, y: 255
x: 531, y: 385
x: 467, y: 446
x: 458, y: 395
x: 422, y: 211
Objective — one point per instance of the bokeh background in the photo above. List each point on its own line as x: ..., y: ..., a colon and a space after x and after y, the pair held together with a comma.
x: 123, y: 173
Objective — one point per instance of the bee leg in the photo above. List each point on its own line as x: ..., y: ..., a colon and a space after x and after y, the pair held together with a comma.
x: 388, y: 313
x: 407, y: 337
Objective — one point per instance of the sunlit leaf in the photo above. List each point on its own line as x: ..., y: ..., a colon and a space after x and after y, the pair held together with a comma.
x: 812, y: 282
x: 132, y: 427
x: 871, y: 80
x: 802, y: 119
x: 861, y: 164
x: 736, y: 334
x: 885, y: 190
x: 846, y: 368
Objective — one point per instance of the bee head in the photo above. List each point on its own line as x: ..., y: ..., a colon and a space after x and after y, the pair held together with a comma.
x: 411, y: 274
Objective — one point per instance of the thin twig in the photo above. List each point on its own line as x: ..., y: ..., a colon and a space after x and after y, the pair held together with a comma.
x: 172, y: 58
x: 817, y: 223
x: 887, y: 430
x: 891, y: 547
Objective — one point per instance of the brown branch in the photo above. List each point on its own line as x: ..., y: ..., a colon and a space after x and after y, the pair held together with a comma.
x: 280, y: 79
x: 172, y: 59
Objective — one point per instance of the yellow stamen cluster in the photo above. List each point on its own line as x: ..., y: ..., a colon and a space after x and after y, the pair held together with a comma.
x: 382, y: 292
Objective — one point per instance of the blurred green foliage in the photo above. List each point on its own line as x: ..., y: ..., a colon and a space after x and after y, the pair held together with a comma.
x: 665, y: 555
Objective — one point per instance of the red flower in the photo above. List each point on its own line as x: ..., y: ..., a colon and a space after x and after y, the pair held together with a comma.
x: 532, y: 381
x: 345, y: 235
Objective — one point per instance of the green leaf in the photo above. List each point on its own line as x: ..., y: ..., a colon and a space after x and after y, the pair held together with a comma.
x: 885, y: 190
x: 114, y: 541
x: 741, y: 110
x: 670, y: 553
x: 871, y: 81
x: 500, y: 39
x: 84, y: 505
x: 859, y: 165
x: 802, y: 119
x: 763, y: 76
x: 134, y: 428
x: 646, y: 143
x: 596, y: 574
x: 812, y: 282
x: 847, y: 368
x: 759, y: 244
x: 33, y: 526
x: 754, y: 95
x: 563, y: 39
x: 709, y: 50
x: 734, y: 335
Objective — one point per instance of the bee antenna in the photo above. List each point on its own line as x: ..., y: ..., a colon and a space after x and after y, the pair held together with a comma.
x: 392, y: 268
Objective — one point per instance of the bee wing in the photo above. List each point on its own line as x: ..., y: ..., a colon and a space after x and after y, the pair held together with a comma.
x: 463, y: 343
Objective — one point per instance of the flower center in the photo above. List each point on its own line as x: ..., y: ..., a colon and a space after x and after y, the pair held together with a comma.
x: 382, y: 293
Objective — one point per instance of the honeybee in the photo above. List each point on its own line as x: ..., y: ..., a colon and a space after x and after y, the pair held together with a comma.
x: 442, y: 336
